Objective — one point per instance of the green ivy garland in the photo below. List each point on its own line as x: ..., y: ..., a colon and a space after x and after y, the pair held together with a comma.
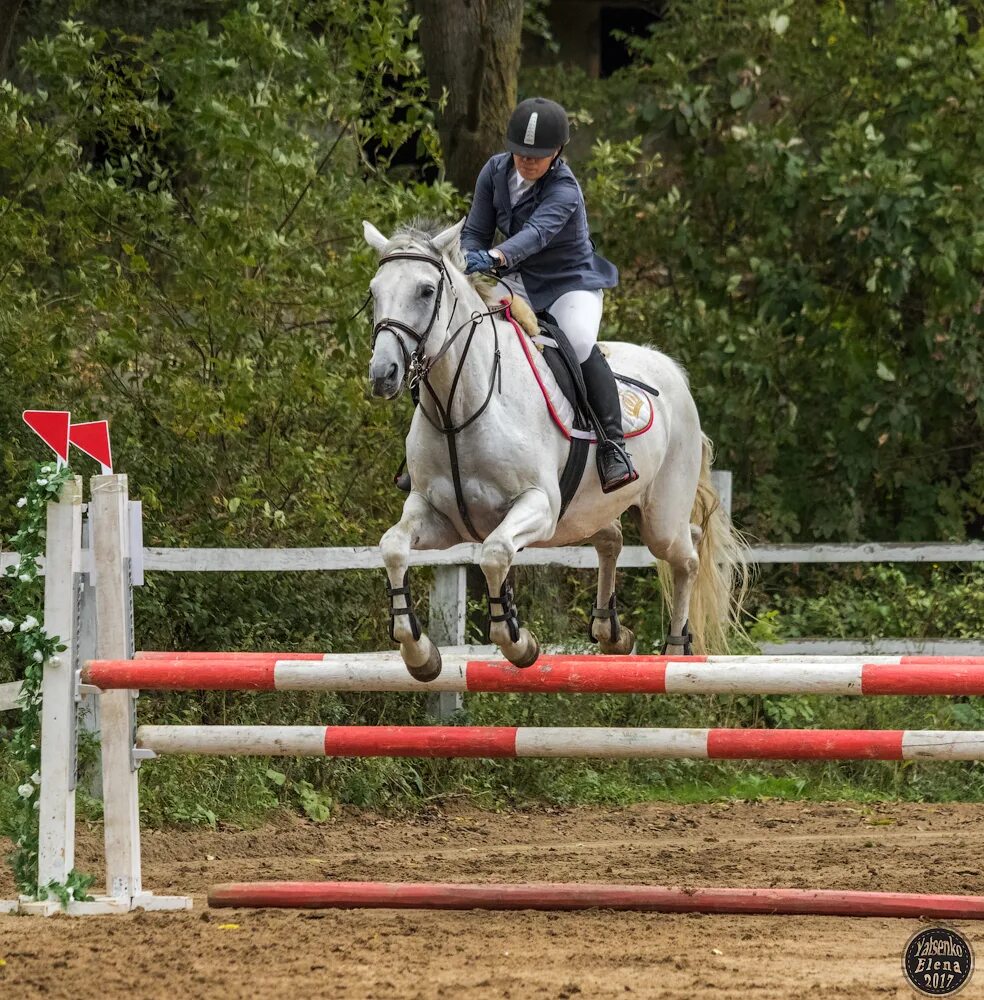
x: 23, y: 623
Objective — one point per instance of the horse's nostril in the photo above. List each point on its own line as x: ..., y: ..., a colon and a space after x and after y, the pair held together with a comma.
x: 392, y: 370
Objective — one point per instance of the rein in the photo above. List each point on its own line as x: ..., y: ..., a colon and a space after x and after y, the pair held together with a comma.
x: 419, y: 366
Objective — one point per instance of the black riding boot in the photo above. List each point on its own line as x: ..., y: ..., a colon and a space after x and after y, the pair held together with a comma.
x: 615, y: 467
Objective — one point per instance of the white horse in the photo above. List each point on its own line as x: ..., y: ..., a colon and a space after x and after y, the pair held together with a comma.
x: 485, y: 461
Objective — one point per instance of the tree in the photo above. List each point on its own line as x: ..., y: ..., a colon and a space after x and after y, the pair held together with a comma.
x: 8, y: 21
x: 471, y: 53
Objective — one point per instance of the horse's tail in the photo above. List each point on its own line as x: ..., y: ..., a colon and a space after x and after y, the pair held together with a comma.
x: 718, y: 598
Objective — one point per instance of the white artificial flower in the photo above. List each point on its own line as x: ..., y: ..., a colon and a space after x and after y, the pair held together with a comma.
x: 36, y: 777
x: 28, y: 623
x: 25, y: 578
x: 22, y: 502
x: 42, y: 482
x: 25, y: 791
x: 6, y: 625
x: 37, y: 657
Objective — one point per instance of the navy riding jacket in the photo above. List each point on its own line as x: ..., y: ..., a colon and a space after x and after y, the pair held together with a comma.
x: 547, y: 238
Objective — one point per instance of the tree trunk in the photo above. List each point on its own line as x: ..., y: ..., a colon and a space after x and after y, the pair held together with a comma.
x: 9, y: 9
x: 471, y: 48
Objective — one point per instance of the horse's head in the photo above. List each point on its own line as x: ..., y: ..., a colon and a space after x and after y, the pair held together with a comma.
x: 411, y: 291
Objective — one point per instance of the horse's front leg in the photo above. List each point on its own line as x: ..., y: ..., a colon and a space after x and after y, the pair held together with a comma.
x: 420, y: 527
x: 530, y: 519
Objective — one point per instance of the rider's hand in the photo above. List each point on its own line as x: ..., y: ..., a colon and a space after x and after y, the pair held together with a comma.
x: 480, y: 260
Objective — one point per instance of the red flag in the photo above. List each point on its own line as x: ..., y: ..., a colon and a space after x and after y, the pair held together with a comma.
x: 93, y: 439
x: 52, y: 426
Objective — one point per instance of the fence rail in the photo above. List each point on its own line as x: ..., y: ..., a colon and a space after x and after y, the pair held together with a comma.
x: 230, y: 560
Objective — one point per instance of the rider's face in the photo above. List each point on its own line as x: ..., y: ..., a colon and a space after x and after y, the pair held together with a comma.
x: 532, y: 168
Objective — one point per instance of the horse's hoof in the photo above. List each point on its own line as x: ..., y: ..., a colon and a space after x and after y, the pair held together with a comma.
x: 622, y: 647
x: 430, y: 670
x: 532, y: 653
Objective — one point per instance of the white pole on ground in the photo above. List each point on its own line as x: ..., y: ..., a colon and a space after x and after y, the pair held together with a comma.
x: 63, y: 575
x: 446, y: 627
x: 110, y: 554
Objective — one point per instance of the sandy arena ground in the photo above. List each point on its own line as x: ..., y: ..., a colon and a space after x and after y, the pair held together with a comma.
x: 385, y: 953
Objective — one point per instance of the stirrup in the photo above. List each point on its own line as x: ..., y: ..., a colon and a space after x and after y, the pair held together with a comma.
x: 611, y: 485
x: 686, y: 640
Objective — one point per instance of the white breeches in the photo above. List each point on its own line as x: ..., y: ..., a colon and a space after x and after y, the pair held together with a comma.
x: 578, y: 314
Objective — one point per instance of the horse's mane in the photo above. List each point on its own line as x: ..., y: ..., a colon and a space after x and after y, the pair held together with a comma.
x: 423, y: 230
x: 420, y: 232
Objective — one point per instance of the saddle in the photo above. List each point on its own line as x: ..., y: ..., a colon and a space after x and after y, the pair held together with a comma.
x: 584, y: 429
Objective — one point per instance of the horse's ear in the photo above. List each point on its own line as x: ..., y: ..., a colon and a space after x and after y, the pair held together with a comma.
x: 374, y: 237
x: 446, y: 239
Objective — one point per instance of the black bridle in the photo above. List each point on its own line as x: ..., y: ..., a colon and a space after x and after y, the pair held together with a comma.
x: 416, y: 363
x: 419, y: 366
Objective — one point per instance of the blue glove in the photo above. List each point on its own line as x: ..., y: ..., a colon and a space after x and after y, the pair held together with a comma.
x: 480, y: 260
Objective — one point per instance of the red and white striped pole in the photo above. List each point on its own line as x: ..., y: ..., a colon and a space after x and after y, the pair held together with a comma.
x: 529, y: 741
x: 598, y: 674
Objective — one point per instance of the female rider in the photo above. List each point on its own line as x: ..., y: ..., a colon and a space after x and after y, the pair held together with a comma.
x: 533, y: 198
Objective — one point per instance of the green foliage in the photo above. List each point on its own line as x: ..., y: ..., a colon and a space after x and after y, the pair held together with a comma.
x: 314, y: 804
x: 794, y: 196
x: 21, y: 625
x: 181, y: 228
x: 876, y: 601
x: 800, y: 223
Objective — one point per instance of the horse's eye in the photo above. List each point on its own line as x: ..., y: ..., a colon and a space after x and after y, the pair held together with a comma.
x: 427, y: 291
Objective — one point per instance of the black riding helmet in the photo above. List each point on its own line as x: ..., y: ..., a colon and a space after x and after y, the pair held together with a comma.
x: 537, y: 127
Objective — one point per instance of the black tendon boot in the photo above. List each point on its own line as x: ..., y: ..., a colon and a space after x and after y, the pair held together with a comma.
x: 615, y: 468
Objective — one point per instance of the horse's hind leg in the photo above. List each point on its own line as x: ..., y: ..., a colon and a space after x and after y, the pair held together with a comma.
x: 420, y: 527
x: 612, y: 636
x: 676, y: 545
x: 530, y: 519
